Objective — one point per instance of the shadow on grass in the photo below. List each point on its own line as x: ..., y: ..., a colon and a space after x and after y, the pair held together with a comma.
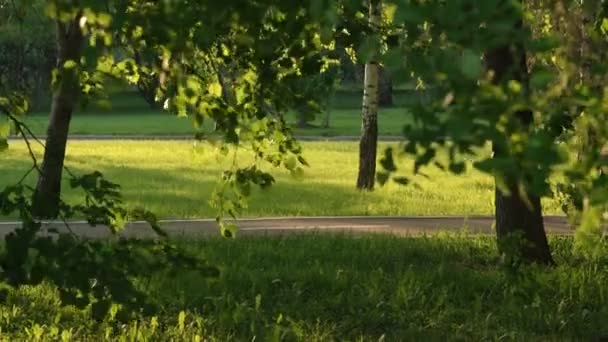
x: 184, y: 192
x: 350, y: 288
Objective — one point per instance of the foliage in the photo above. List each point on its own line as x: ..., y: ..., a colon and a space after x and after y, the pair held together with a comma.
x: 27, y: 49
x: 447, y: 50
x: 86, y: 272
x: 268, y: 45
x: 341, y: 287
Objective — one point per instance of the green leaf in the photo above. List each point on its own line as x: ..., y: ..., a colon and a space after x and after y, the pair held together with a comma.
x: 228, y: 230
x: 290, y: 162
x: 470, y: 64
x: 215, y: 89
x: 541, y: 79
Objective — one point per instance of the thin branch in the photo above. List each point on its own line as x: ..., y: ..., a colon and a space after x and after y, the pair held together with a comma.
x: 20, y: 127
x: 66, y: 224
x: 27, y: 173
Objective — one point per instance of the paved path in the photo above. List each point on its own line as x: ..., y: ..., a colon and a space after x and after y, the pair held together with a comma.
x: 288, y: 225
x: 76, y: 137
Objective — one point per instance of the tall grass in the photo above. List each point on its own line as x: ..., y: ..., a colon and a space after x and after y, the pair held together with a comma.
x: 340, y: 287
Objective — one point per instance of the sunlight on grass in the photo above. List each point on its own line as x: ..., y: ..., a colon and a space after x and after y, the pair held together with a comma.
x: 175, y: 180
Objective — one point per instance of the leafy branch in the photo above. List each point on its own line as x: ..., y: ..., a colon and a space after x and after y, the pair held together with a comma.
x: 88, y: 273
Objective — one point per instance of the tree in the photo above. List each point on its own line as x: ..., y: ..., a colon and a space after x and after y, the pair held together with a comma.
x: 267, y: 46
x: 369, y: 125
x: 522, y: 111
x: 518, y: 211
x: 185, y: 67
x: 66, y: 91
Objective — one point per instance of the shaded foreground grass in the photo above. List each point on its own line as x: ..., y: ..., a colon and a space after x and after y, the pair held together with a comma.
x: 339, y: 287
x: 175, y: 180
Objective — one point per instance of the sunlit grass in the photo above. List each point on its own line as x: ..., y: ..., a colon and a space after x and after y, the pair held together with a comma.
x: 175, y: 180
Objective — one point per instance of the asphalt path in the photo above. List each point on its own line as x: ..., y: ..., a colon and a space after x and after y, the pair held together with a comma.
x: 400, y: 226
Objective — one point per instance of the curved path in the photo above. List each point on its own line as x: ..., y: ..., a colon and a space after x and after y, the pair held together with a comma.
x: 402, y: 226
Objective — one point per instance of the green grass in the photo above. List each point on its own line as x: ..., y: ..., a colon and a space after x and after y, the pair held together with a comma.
x: 338, y: 287
x: 130, y: 115
x: 344, y: 122
x: 175, y: 179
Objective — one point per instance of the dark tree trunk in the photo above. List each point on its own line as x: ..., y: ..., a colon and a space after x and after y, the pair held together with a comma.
x: 514, y: 214
x: 367, y: 153
x: 45, y: 202
x: 327, y: 119
x: 385, y: 88
x: 302, y: 119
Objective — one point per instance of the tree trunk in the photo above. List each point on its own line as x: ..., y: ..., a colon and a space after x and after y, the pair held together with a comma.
x: 385, y: 88
x: 514, y: 214
x: 303, y: 118
x: 369, y: 126
x: 45, y: 202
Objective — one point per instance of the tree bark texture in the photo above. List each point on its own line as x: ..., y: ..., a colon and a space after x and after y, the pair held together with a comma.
x: 514, y: 214
x: 369, y: 126
x: 45, y: 202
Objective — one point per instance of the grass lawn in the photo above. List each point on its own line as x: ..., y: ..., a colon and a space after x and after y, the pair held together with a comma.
x: 130, y: 115
x: 175, y: 179
x: 338, y: 287
x: 343, y: 122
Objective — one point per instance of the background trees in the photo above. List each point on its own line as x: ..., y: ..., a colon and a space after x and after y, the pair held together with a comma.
x: 27, y: 49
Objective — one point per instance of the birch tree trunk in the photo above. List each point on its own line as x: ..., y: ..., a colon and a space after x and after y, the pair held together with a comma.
x: 369, y: 125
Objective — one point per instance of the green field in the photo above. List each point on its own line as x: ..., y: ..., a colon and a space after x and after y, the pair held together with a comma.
x: 343, y: 122
x: 341, y: 288
x: 154, y: 174
x: 130, y: 115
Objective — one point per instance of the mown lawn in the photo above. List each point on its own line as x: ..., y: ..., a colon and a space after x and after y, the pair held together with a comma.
x: 175, y: 180
x: 344, y: 122
x: 338, y: 287
x: 130, y: 115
